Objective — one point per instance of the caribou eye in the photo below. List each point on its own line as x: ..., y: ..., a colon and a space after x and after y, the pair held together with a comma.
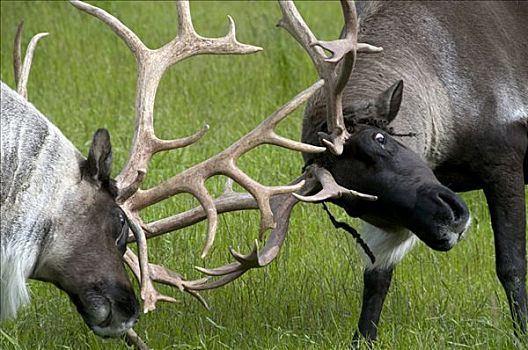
x: 122, y: 219
x: 121, y: 240
x: 379, y: 138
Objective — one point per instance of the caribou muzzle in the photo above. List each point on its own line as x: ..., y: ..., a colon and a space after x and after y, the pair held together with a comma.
x: 108, y: 310
x: 440, y: 218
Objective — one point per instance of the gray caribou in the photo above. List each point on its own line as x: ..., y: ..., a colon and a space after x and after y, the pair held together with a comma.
x: 440, y: 105
x: 66, y: 221
x: 60, y: 220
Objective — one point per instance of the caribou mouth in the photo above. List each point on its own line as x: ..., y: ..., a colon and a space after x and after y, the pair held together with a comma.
x: 111, y: 332
x: 105, y: 329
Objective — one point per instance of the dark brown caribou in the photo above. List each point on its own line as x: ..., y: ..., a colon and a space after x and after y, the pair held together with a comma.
x: 440, y: 105
x: 443, y: 108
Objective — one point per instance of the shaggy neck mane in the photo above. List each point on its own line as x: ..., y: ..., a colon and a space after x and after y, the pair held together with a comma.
x: 16, y: 267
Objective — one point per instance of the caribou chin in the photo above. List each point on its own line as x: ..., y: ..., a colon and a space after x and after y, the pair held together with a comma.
x: 440, y: 218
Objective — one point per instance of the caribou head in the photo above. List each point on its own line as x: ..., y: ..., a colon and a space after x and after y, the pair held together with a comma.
x: 363, y: 153
x: 60, y: 220
x: 375, y: 162
x: 82, y: 252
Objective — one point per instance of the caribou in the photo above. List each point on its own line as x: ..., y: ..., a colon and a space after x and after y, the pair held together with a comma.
x: 465, y: 108
x: 443, y: 108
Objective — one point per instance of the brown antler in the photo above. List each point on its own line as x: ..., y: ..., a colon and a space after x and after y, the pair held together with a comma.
x: 334, y: 70
x: 151, y: 66
x: 22, y: 70
x: 281, y: 206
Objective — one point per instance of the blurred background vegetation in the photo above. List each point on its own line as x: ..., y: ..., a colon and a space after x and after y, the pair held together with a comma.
x: 83, y: 78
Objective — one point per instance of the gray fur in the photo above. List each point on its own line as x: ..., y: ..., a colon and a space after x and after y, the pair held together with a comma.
x: 459, y: 75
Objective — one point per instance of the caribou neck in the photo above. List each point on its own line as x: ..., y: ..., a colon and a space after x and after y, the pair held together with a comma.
x: 30, y: 194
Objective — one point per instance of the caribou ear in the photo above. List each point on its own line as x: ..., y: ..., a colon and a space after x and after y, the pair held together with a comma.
x: 98, y: 166
x: 388, y: 102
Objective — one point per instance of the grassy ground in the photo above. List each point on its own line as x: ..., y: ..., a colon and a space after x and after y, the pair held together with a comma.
x: 83, y: 78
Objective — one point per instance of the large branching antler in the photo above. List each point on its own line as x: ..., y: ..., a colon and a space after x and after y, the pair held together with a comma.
x: 314, y: 178
x: 22, y: 70
x: 334, y: 70
x: 151, y: 66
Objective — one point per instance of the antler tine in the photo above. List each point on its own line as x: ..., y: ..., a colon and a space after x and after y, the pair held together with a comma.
x: 163, y: 275
x: 128, y: 36
x: 334, y: 70
x: 17, y: 52
x: 152, y: 64
x: 22, y: 70
x: 133, y: 339
x: 331, y: 189
x: 225, y: 203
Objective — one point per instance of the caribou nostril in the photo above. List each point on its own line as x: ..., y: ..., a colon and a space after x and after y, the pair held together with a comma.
x: 107, y: 321
x: 458, y: 210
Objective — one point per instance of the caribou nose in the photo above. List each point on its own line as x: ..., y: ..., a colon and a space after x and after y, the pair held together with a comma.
x: 456, y: 208
x: 123, y: 312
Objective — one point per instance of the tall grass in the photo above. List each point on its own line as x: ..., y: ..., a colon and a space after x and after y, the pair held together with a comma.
x: 83, y: 77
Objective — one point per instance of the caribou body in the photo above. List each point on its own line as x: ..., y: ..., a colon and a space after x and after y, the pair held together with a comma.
x: 60, y: 222
x: 443, y: 108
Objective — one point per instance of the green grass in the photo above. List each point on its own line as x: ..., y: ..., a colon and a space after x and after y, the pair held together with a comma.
x: 83, y: 77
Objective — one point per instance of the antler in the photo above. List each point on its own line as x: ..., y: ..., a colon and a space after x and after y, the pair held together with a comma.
x: 334, y: 72
x: 22, y: 70
x: 151, y: 66
x: 282, y: 205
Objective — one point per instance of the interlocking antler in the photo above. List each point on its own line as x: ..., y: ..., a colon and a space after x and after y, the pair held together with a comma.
x: 151, y: 66
x: 282, y: 205
x: 22, y: 70
x: 334, y: 70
